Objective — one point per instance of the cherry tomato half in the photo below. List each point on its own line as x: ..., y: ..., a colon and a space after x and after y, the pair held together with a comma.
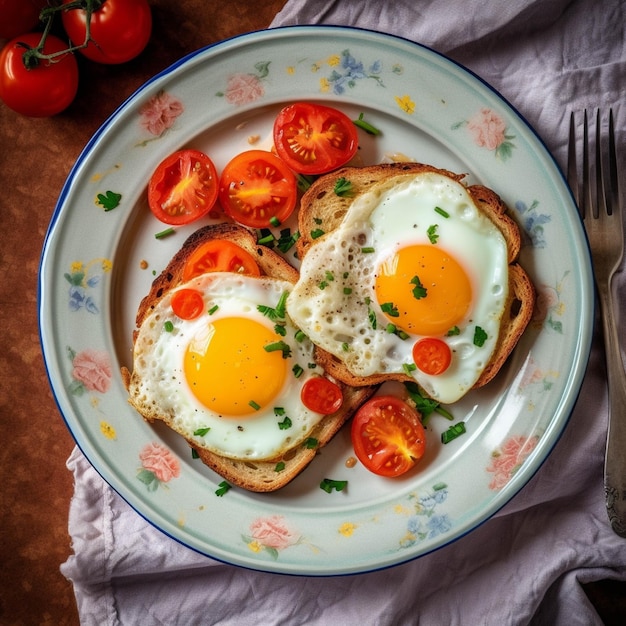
x: 19, y: 16
x: 183, y: 187
x: 257, y: 188
x: 44, y: 90
x: 187, y: 303
x: 388, y: 436
x: 432, y: 355
x: 120, y: 30
x: 219, y: 255
x: 314, y: 139
x: 321, y: 395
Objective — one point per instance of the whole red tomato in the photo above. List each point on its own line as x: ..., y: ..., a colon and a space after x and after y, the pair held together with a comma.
x: 19, y: 16
x: 120, y: 29
x: 44, y: 90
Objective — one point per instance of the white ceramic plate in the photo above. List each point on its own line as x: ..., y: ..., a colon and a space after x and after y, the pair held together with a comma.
x: 91, y: 282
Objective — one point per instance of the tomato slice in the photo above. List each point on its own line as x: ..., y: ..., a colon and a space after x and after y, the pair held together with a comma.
x: 388, y: 436
x: 432, y: 355
x: 257, y: 189
x: 187, y: 303
x: 183, y: 187
x: 314, y: 139
x: 321, y: 395
x: 219, y: 255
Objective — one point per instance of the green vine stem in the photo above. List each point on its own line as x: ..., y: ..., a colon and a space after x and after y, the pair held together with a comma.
x: 32, y: 57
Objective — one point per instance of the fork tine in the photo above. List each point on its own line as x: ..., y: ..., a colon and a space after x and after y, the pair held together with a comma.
x: 572, y: 172
x: 586, y: 201
x: 600, y: 193
x: 614, y: 200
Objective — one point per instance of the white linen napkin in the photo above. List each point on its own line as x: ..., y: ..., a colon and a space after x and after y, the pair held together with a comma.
x: 525, y: 565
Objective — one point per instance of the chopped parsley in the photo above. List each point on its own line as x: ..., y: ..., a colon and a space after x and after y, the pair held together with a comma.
x: 109, y: 200
x: 419, y: 291
x: 425, y: 406
x: 390, y: 309
x: 455, y: 330
x: 280, y: 466
x: 276, y: 313
x: 223, y: 488
x: 343, y: 187
x: 347, y: 291
x: 286, y: 423
x: 480, y: 336
x: 201, y: 432
x: 300, y: 336
x: 287, y: 240
x: 311, y: 443
x: 432, y: 233
x: 453, y: 432
x: 168, y: 326
x: 274, y: 221
x: 316, y: 233
x: 328, y: 485
x: 297, y: 370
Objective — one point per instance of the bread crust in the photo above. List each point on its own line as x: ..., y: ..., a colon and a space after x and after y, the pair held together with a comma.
x: 258, y: 476
x: 322, y: 210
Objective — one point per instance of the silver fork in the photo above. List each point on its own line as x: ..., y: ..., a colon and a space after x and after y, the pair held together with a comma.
x: 601, y: 208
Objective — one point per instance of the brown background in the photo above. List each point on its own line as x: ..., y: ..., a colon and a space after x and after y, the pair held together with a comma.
x: 35, y: 158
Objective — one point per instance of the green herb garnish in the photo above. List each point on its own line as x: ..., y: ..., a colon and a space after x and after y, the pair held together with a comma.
x: 343, y: 187
x: 455, y: 330
x: 480, y: 336
x: 274, y: 221
x: 425, y: 406
x: 316, y: 233
x: 168, y: 327
x: 285, y: 424
x: 366, y: 126
x: 255, y: 405
x: 432, y: 233
x: 165, y: 233
x: 223, y: 488
x: 390, y: 309
x: 109, y: 200
x: 328, y: 484
x: 453, y: 432
x: 441, y: 212
x: 200, y: 432
x: 311, y: 443
x: 280, y: 466
x: 419, y: 291
x: 279, y: 345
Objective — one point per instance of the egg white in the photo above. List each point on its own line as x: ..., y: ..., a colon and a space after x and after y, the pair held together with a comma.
x: 335, y: 303
x: 161, y: 382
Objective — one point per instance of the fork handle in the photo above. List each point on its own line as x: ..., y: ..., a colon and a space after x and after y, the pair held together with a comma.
x: 615, y: 459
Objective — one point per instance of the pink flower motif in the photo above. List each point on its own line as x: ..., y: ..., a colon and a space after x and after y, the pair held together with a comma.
x: 243, y: 89
x: 93, y: 369
x: 159, y: 460
x: 508, y: 460
x: 272, y: 532
x: 160, y: 113
x: 547, y: 298
x: 487, y: 129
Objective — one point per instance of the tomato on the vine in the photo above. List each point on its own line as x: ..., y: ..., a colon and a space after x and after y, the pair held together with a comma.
x: 120, y: 29
x: 321, y: 395
x: 183, y: 187
x: 314, y: 139
x: 44, y: 90
x: 258, y: 189
x: 388, y: 436
x: 219, y: 255
x: 19, y: 16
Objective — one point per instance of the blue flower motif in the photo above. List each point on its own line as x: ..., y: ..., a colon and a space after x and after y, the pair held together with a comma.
x: 438, y: 524
x: 351, y: 71
x: 533, y: 223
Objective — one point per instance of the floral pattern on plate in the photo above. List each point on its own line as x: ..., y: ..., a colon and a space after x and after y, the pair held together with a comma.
x: 381, y: 525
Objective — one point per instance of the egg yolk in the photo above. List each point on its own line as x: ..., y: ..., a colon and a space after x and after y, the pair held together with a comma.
x: 230, y: 371
x: 423, y: 290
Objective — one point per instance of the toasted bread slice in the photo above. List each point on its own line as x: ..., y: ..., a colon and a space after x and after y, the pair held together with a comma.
x: 259, y: 476
x: 322, y: 210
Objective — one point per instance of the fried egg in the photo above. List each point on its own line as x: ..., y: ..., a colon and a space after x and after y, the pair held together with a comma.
x: 410, y: 260
x: 230, y: 379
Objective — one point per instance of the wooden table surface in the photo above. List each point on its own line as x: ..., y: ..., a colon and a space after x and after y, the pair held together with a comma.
x: 35, y: 158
